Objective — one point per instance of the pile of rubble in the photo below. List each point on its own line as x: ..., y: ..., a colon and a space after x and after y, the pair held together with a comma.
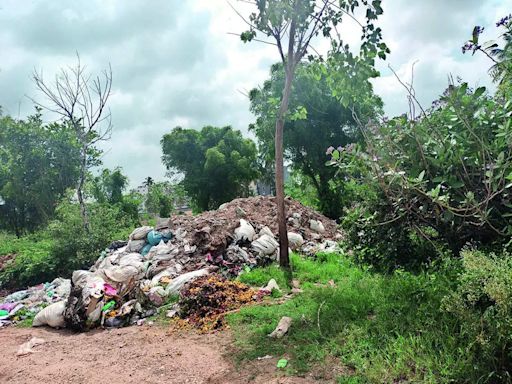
x: 132, y: 279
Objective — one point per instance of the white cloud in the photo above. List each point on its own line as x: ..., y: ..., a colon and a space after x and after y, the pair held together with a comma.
x: 175, y: 63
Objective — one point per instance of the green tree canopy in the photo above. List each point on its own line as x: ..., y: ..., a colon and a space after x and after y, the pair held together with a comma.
x: 317, y: 120
x: 218, y: 164
x: 37, y: 164
x: 108, y: 186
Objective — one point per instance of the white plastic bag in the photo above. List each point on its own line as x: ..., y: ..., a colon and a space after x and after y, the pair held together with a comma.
x: 316, y: 225
x: 53, y: 315
x: 245, y: 231
x: 140, y: 233
x: 265, y: 244
x: 296, y: 240
x: 175, y: 285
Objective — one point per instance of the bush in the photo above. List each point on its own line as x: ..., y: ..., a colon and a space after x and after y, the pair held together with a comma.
x: 73, y: 247
x: 483, y: 305
x: 444, y: 178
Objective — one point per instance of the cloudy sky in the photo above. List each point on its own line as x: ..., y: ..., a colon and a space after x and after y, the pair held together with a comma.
x: 175, y: 63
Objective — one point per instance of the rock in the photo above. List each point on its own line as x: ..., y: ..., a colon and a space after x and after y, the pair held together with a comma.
x: 240, y: 213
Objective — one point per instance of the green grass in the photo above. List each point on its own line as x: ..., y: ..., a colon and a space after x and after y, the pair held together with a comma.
x: 381, y: 329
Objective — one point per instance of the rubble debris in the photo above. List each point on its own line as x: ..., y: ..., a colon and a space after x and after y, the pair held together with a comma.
x: 26, y: 348
x: 282, y: 328
x: 132, y: 278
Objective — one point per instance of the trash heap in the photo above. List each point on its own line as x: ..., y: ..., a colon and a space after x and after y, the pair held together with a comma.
x: 22, y: 304
x: 132, y: 279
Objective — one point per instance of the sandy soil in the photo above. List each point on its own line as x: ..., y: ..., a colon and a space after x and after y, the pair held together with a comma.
x: 147, y: 354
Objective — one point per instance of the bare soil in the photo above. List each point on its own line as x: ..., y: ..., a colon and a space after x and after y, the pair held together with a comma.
x: 146, y: 354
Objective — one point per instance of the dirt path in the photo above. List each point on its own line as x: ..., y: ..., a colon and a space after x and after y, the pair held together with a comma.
x: 147, y: 354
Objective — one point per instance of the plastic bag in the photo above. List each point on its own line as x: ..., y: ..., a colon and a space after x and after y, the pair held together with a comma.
x: 135, y: 245
x: 316, y: 225
x: 245, y: 231
x: 295, y: 239
x: 175, y: 285
x: 265, y: 245
x: 53, y: 315
x: 140, y: 233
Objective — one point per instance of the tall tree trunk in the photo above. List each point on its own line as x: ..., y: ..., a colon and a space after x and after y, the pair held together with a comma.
x: 284, y: 258
x: 79, y: 190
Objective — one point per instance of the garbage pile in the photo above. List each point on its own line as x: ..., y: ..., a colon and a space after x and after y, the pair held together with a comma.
x: 132, y: 279
x: 206, y: 300
x: 22, y: 304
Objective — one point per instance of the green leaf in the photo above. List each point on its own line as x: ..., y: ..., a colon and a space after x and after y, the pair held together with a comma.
x: 479, y: 91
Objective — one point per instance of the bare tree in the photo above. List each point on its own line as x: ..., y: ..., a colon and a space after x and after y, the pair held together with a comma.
x: 81, y: 100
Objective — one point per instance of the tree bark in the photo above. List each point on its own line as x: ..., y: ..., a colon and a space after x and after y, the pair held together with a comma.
x: 284, y: 258
x: 79, y: 189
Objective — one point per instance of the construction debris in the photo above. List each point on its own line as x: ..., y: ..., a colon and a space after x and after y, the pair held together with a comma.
x: 132, y: 279
x: 282, y: 328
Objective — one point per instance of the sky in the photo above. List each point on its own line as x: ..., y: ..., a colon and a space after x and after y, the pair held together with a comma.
x: 178, y: 62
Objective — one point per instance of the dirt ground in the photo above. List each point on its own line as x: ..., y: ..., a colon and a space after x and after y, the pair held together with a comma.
x: 146, y: 354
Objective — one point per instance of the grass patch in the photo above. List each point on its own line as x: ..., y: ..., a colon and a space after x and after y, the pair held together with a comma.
x: 382, y: 329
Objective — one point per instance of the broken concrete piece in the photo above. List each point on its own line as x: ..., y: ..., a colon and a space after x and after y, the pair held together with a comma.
x: 282, y: 328
x: 240, y: 213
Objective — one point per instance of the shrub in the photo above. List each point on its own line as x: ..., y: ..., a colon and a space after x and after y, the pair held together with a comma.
x: 483, y: 305
x: 73, y: 247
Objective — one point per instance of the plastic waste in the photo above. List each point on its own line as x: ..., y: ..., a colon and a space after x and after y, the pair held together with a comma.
x: 135, y: 245
x: 53, y: 315
x: 295, y: 240
x: 265, y: 245
x: 109, y: 305
x: 26, y: 348
x: 175, y: 286
x: 317, y: 226
x: 272, y: 284
x: 145, y: 250
x: 8, y: 307
x: 245, y: 231
x: 113, y: 322
x: 140, y: 233
x: 109, y: 290
x: 3, y: 312
x: 154, y: 237
x: 282, y: 363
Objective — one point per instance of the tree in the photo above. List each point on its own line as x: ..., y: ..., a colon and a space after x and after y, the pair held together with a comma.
x: 159, y: 199
x: 293, y: 24
x: 81, y: 101
x: 108, y: 187
x: 317, y: 120
x: 218, y: 164
x: 37, y: 164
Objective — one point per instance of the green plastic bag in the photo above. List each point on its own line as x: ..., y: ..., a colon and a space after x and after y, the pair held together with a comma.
x: 282, y: 363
